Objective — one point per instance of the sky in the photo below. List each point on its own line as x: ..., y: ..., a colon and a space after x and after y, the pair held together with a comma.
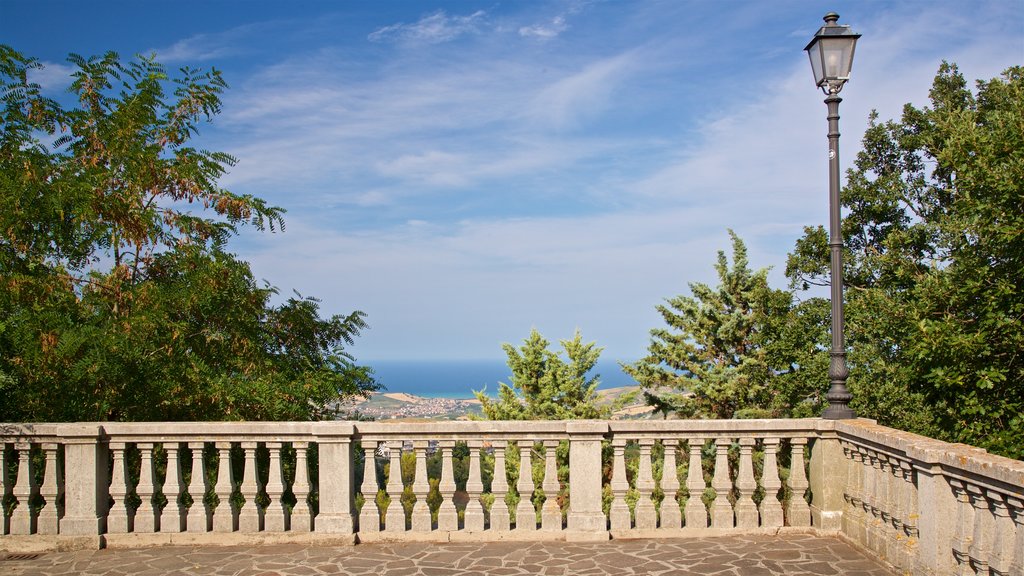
x: 465, y: 171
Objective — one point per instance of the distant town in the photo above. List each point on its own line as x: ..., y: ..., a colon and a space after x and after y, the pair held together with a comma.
x: 402, y: 406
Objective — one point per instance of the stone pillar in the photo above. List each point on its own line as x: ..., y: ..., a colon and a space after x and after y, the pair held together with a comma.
x: 85, y: 480
x: 828, y: 479
x: 586, y: 518
x: 335, y: 444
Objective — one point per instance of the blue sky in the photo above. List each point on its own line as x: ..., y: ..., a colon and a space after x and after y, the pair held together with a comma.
x: 464, y: 171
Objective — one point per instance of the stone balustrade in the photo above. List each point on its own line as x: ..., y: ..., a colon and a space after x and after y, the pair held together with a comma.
x: 925, y: 506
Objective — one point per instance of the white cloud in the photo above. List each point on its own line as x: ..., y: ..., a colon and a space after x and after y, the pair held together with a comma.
x: 567, y: 101
x: 433, y: 167
x: 550, y: 29
x: 431, y: 29
x: 508, y: 129
x: 52, y: 76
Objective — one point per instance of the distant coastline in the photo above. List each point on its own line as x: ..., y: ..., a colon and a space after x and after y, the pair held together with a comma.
x: 457, y: 379
x: 411, y: 407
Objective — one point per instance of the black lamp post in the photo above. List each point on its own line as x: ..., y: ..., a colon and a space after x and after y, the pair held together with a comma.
x: 831, y: 53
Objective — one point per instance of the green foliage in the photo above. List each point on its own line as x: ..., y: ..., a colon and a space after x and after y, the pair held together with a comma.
x: 546, y: 387
x: 117, y: 294
x: 934, y: 232
x: 741, y: 350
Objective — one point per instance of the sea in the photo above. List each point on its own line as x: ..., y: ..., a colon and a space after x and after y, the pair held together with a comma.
x: 459, y: 378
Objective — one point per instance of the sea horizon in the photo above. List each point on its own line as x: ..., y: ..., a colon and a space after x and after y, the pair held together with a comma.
x: 459, y: 378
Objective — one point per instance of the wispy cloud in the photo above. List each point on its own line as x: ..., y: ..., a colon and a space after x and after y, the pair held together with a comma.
x: 431, y: 29
x: 575, y: 187
x: 549, y: 29
x: 568, y: 100
x: 52, y: 76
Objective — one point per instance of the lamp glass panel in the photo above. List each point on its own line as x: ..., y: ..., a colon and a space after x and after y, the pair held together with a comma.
x: 837, y: 57
x: 814, y: 52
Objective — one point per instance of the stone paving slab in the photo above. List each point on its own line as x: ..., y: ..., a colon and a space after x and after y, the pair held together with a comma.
x: 755, y: 555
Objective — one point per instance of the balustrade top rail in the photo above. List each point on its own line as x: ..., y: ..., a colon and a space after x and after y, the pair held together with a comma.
x: 923, y: 505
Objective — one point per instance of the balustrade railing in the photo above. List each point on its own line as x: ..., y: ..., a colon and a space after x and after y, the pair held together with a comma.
x: 925, y: 506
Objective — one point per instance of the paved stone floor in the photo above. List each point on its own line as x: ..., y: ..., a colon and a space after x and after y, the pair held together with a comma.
x: 726, y: 556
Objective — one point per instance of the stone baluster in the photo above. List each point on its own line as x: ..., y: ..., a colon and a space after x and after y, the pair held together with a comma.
x: 301, y: 519
x: 551, y: 513
x: 981, y: 546
x: 196, y: 519
x: 1015, y: 504
x: 883, y: 497
x: 473, y: 517
x: 897, y: 497
x: 645, y: 515
x: 619, y: 513
x: 394, y: 518
x: 499, y: 489
x: 226, y: 513
x: 964, y: 528
x: 274, y: 514
x: 869, y: 504
x: 24, y: 485
x: 146, y: 519
x: 249, y: 515
x: 887, y: 510
x: 447, y: 514
x: 908, y: 509
x: 7, y: 487
x: 670, y: 514
x: 46, y: 523
x: 696, y: 512
x: 721, y: 509
x: 746, y: 510
x: 848, y: 497
x: 770, y: 508
x: 1002, y: 535
x: 878, y: 508
x: 172, y: 517
x: 798, y: 512
x: 526, y: 513
x: 117, y: 515
x: 369, y: 514
x: 853, y: 518
x: 421, y: 488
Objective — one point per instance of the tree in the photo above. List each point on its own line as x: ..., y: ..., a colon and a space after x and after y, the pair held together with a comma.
x: 118, y: 296
x: 545, y: 387
x: 935, y: 247
x: 740, y: 350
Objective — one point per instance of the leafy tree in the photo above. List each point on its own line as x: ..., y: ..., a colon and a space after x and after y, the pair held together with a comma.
x: 546, y: 387
x: 935, y: 247
x: 118, y: 297
x: 740, y: 350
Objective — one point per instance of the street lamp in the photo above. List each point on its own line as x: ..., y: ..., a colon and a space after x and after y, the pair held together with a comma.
x: 831, y: 54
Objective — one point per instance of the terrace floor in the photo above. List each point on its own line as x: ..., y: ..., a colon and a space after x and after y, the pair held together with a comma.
x: 752, y: 555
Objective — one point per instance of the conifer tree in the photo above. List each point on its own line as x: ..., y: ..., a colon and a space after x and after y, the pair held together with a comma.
x: 546, y: 387
x: 731, y: 351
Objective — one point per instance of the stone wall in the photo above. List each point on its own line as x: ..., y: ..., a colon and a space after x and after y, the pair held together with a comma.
x: 925, y: 506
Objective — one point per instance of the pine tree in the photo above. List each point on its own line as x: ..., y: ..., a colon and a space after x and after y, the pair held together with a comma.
x: 546, y: 387
x: 734, y: 351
